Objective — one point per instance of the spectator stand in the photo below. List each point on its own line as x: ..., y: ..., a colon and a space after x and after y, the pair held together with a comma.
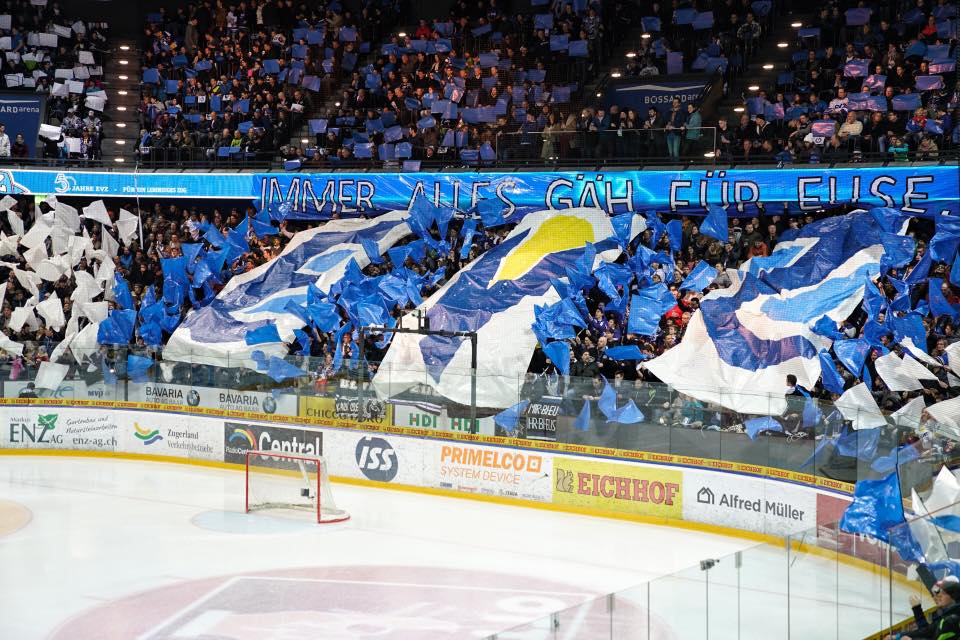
x: 228, y: 90
x: 868, y: 84
x: 60, y: 58
x: 440, y: 93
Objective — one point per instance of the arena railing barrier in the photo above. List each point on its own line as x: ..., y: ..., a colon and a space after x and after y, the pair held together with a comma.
x: 806, y: 441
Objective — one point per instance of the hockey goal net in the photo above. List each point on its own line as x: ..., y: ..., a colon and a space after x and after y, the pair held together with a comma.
x: 291, y: 482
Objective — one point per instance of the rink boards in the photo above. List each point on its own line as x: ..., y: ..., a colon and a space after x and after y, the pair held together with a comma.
x: 649, y: 487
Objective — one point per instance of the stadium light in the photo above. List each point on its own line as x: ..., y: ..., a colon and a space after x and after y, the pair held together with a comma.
x: 754, y: 87
x: 645, y: 36
x: 738, y: 109
x: 796, y: 25
x: 631, y: 54
x: 122, y: 125
x: 767, y: 67
x: 709, y: 154
x: 122, y: 77
x: 118, y: 159
x: 124, y: 47
x: 599, y: 94
x: 122, y: 92
x: 304, y: 141
x: 123, y: 61
x: 615, y: 74
x: 402, y: 34
x: 121, y: 108
x: 782, y: 45
x: 336, y: 104
x: 119, y: 142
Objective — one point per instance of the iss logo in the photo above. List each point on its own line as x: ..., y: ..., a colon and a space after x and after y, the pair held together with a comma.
x: 193, y: 398
x: 564, y: 480
x: 376, y: 459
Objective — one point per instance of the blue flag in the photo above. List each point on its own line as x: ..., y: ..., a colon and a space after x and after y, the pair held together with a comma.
x: 279, y: 369
x: 262, y: 335
x: 700, y: 277
x: 608, y: 401
x: 625, y: 352
x: 559, y: 354
x: 137, y: 367
x: 852, y: 354
x: 715, y: 224
x: 509, y: 417
x: 628, y: 414
x: 938, y: 302
x: 675, y: 233
x: 832, y: 380
x: 582, y: 423
x: 756, y: 426
x: 877, y: 505
x: 373, y: 252
x: 919, y: 273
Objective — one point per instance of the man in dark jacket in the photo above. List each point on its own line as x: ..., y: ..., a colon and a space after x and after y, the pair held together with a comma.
x: 945, y: 625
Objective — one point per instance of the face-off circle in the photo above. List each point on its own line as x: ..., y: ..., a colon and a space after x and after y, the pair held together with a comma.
x: 13, y: 517
x: 354, y: 602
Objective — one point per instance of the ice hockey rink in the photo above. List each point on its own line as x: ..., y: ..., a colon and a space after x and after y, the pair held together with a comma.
x: 108, y: 549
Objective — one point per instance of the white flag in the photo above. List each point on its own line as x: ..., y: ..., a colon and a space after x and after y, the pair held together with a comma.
x: 51, y: 374
x: 97, y: 211
x: 857, y: 405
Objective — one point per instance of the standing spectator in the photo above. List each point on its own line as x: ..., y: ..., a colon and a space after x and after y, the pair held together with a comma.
x: 4, y: 142
x: 692, y: 130
x: 675, y: 122
x: 20, y: 149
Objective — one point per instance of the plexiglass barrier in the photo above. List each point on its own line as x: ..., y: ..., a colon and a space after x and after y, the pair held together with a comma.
x: 818, y: 583
x: 814, y: 440
x: 811, y: 585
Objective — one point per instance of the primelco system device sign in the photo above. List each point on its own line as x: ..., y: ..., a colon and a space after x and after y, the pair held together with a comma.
x: 493, y: 471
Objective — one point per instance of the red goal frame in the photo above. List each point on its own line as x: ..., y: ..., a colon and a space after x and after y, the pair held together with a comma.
x: 287, y: 456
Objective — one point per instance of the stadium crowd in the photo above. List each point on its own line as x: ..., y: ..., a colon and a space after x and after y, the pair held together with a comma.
x: 878, y: 81
x: 50, y: 50
x: 116, y: 264
x: 222, y: 81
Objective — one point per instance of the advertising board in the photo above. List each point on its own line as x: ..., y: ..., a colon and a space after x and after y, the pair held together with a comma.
x: 497, y: 471
x: 67, y: 390
x: 164, y: 434
x: 742, y: 502
x: 239, y: 437
x: 618, y: 487
x: 53, y: 428
x: 418, y: 416
x: 343, y: 414
x: 213, y: 397
x: 381, y: 458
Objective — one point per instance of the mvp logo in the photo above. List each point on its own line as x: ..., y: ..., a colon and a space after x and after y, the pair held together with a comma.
x: 376, y: 459
x: 41, y: 433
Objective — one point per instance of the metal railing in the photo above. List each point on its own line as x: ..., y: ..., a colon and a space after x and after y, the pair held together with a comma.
x: 610, y: 145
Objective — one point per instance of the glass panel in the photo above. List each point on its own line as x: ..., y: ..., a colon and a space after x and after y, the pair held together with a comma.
x: 631, y: 616
x: 678, y: 605
x: 764, y: 588
x: 723, y: 598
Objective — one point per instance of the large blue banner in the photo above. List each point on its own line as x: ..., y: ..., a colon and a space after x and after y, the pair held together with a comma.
x: 915, y: 189
x: 22, y: 113
x: 642, y: 95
